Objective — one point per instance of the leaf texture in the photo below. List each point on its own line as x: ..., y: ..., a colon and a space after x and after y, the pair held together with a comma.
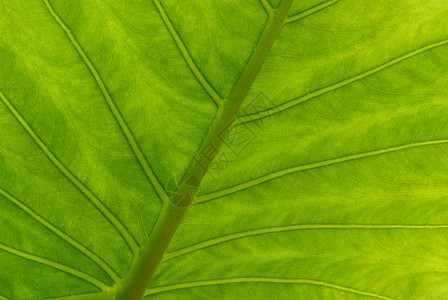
x: 329, y: 184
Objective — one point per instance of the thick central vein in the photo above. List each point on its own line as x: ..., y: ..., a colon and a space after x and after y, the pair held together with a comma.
x: 149, y: 258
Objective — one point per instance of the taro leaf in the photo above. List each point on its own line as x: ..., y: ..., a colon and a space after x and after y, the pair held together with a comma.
x: 331, y: 183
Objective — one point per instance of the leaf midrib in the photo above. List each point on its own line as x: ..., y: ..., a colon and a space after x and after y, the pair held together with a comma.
x: 147, y: 262
x: 236, y: 98
x: 237, y: 95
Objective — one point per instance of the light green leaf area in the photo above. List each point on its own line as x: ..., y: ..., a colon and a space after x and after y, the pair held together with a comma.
x: 331, y: 183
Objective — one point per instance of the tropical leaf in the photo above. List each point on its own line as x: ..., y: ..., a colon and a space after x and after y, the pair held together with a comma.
x: 236, y: 149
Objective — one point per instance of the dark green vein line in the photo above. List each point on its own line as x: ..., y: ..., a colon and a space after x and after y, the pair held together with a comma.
x: 115, y: 111
x: 320, y: 164
x: 95, y: 201
x: 276, y: 229
x: 292, y: 103
x: 186, y: 285
x: 3, y: 298
x: 104, y: 266
x: 146, y: 264
x: 187, y: 56
x: 310, y: 11
x: 57, y: 266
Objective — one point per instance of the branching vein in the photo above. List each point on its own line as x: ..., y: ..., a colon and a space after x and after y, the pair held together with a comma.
x: 89, y: 194
x: 186, y: 285
x: 310, y: 11
x: 186, y: 55
x: 114, y: 109
x: 57, y: 266
x: 166, y: 225
x: 290, y: 104
x: 277, y: 174
x: 276, y: 229
x: 268, y: 7
x: 103, y: 265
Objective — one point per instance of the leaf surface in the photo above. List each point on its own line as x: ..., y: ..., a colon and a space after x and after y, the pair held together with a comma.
x: 331, y: 184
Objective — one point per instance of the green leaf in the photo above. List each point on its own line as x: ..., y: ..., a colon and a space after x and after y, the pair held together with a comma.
x: 236, y: 149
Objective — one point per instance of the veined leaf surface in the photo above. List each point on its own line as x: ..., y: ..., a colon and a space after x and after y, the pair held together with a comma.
x: 329, y: 119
